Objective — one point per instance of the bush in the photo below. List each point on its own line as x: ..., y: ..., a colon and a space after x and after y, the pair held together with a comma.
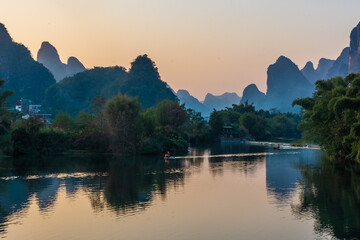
x: 52, y: 141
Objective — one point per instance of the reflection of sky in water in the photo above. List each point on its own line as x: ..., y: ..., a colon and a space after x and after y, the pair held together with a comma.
x: 282, y: 174
x: 194, y: 198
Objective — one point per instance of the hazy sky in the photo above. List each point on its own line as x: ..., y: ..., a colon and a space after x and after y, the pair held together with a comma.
x: 199, y: 45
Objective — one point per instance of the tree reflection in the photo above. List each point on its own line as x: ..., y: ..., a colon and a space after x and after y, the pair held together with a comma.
x: 132, y: 183
x: 332, y: 198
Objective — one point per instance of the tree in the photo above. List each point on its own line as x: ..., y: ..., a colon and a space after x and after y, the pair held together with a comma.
x: 331, y: 118
x: 171, y: 114
x: 122, y: 114
x: 5, y: 123
x: 216, y: 123
x: 64, y: 121
x: 97, y: 109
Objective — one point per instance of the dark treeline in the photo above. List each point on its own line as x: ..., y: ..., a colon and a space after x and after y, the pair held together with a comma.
x: 118, y: 125
x: 142, y: 80
x: 255, y: 124
x: 332, y: 118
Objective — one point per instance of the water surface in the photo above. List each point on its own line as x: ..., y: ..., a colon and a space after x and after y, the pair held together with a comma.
x: 228, y: 191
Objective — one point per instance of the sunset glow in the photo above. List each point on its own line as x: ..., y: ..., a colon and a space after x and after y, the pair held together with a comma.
x: 202, y: 46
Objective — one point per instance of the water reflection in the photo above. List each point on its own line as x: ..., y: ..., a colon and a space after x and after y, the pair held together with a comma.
x: 332, y: 198
x: 122, y: 185
x: 282, y: 175
x: 126, y: 187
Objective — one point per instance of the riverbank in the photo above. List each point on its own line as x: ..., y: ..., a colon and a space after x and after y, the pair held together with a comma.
x: 281, y: 145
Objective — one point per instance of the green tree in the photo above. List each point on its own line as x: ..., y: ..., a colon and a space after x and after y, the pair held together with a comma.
x: 5, y: 123
x: 331, y: 118
x: 122, y: 115
x: 171, y: 114
x: 64, y: 121
x: 97, y: 109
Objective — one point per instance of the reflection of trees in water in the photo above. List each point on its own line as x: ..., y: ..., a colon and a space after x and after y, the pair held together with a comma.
x: 332, y: 198
x: 131, y: 184
x: 123, y: 185
x: 283, y: 175
x: 15, y: 195
x: 245, y: 165
x: 235, y: 147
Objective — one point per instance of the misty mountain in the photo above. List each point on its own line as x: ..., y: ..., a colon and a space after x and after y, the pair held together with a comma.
x: 222, y: 101
x: 49, y: 57
x: 347, y: 62
x: 320, y: 72
x: 74, y: 66
x: 253, y: 96
x: 76, y: 93
x: 193, y: 103
x: 340, y: 66
x: 23, y: 75
x: 285, y: 83
x: 354, y: 52
x: 323, y: 67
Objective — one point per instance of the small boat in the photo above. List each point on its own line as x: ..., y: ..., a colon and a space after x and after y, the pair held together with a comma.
x: 169, y: 158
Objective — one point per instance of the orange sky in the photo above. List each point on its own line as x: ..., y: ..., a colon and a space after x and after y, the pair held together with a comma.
x: 203, y: 46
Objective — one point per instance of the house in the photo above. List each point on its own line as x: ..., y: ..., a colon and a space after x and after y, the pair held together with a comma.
x: 18, y: 106
x: 229, y: 134
x: 29, y: 109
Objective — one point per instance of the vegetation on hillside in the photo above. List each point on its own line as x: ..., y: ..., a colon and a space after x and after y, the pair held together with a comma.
x: 26, y: 77
x: 76, y: 93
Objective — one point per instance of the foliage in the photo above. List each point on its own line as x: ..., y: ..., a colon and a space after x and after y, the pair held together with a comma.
x: 171, y: 114
x: 258, y: 125
x: 332, y: 117
x: 26, y: 77
x: 52, y: 141
x: 5, y: 121
x: 122, y: 114
x: 76, y: 93
x: 25, y: 137
x: 64, y: 121
x: 197, y: 128
x: 118, y: 126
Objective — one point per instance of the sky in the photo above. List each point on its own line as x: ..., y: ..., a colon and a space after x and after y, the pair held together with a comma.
x: 204, y: 46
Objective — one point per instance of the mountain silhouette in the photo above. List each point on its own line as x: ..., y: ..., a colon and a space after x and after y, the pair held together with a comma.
x: 193, y: 103
x: 221, y: 102
x: 73, y: 94
x: 23, y: 75
x: 252, y: 95
x: 49, y: 57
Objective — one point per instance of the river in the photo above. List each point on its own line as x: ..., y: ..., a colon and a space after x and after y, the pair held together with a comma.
x: 223, y: 191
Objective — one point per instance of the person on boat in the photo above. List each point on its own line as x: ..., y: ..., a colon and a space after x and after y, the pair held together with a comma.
x: 167, y: 155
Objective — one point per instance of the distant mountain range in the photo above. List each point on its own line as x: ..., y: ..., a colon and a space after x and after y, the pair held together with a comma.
x: 193, y: 103
x: 285, y: 82
x: 210, y: 103
x: 75, y: 86
x: 222, y: 101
